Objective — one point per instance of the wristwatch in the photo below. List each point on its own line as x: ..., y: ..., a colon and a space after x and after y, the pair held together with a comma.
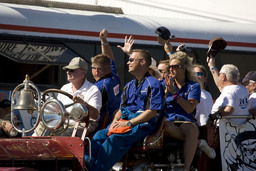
x: 129, y: 123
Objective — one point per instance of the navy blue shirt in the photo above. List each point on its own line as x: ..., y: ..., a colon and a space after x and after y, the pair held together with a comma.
x: 147, y: 94
x: 191, y: 90
x: 110, y: 89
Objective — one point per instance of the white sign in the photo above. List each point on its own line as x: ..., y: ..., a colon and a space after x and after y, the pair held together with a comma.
x: 238, y: 145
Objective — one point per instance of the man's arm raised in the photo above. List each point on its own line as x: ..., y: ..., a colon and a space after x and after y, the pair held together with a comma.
x: 105, y: 47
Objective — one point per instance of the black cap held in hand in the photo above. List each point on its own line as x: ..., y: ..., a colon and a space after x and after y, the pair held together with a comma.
x: 163, y: 32
x: 215, y: 45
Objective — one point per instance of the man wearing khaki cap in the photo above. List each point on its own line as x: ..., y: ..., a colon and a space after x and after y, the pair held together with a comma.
x: 83, y: 92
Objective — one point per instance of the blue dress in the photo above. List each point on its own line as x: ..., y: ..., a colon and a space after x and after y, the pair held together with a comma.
x: 173, y: 111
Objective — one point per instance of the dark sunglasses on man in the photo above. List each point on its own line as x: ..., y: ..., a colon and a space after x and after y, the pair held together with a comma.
x: 175, y: 66
x: 70, y: 70
x: 132, y: 59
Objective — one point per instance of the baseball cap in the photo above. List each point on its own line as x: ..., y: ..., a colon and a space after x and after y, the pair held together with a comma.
x: 215, y: 45
x: 250, y: 76
x: 163, y: 35
x: 76, y: 63
x: 5, y: 103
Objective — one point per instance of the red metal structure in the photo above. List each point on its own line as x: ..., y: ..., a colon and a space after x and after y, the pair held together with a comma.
x: 42, y: 153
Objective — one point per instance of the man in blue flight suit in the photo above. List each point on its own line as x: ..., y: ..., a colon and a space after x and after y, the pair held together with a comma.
x: 105, y: 73
x: 141, y: 100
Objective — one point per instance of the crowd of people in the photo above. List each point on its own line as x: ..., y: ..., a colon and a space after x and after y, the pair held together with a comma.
x: 175, y: 90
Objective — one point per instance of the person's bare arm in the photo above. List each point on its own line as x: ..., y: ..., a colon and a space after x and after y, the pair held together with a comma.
x: 224, y: 111
x: 105, y: 47
x: 168, y: 48
x: 188, y: 105
x: 214, y: 71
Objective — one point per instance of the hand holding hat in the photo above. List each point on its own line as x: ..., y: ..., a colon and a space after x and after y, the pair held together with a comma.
x: 215, y: 45
x: 163, y: 35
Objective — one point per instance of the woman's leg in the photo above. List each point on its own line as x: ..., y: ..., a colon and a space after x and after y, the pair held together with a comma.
x: 188, y: 132
x: 173, y: 131
x: 191, y: 133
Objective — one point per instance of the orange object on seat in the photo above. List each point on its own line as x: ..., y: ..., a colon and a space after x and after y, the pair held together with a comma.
x: 119, y: 130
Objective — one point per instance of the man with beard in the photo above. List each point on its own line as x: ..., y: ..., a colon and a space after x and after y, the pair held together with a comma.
x: 6, y: 128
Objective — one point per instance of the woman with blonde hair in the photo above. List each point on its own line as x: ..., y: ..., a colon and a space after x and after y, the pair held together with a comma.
x: 182, y: 96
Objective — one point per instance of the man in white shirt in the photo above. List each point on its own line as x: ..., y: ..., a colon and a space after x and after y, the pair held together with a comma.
x: 83, y: 92
x: 233, y: 99
x: 249, y: 82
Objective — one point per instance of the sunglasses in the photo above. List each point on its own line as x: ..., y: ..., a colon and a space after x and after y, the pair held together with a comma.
x: 199, y: 73
x: 175, y: 66
x: 132, y: 59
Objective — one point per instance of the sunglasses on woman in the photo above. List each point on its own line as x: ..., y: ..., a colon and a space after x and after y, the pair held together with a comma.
x: 199, y: 73
x: 175, y: 66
